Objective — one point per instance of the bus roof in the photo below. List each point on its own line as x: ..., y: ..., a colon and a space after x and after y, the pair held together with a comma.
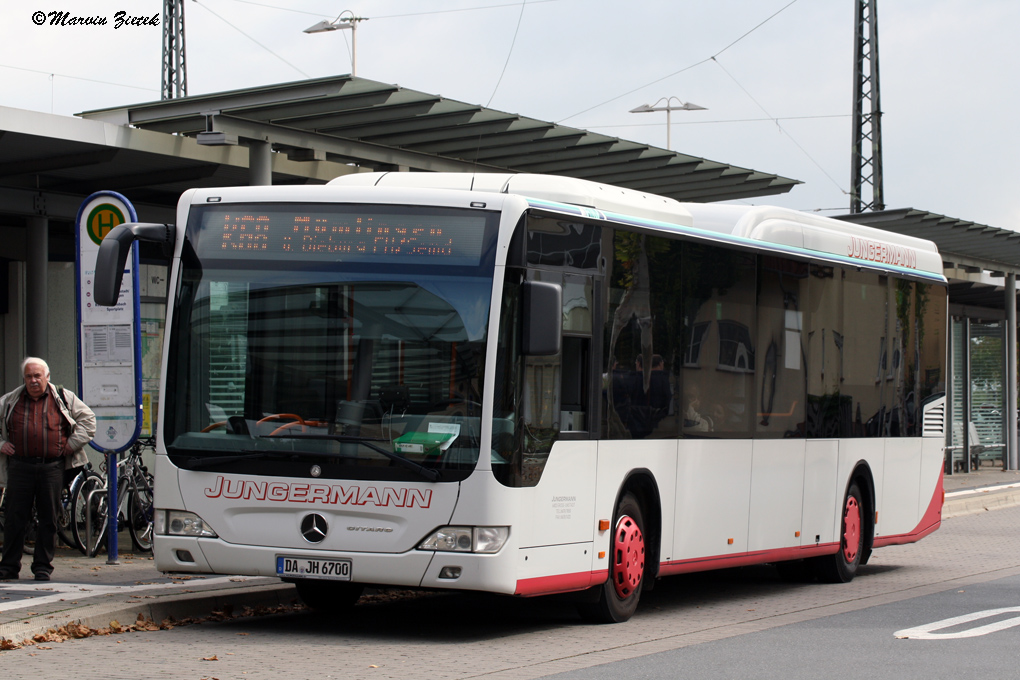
x: 783, y: 229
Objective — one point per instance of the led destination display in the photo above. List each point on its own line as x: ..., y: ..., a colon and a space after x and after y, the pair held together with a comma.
x: 341, y: 233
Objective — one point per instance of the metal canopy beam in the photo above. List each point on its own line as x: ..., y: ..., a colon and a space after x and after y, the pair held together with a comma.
x: 134, y: 180
x: 50, y: 163
x: 347, y: 148
x: 471, y: 137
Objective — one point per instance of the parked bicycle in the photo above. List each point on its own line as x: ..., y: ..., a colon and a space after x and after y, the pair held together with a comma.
x: 89, y: 506
x: 65, y: 512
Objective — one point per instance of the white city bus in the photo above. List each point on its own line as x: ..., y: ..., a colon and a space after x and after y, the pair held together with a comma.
x: 530, y: 385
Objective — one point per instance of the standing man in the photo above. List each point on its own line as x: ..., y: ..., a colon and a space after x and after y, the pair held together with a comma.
x: 43, y: 430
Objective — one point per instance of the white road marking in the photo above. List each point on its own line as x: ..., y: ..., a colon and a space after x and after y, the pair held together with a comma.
x: 927, y: 631
x: 55, y: 592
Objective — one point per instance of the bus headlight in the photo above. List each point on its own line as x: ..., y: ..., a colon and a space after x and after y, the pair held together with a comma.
x: 466, y: 539
x: 181, y: 523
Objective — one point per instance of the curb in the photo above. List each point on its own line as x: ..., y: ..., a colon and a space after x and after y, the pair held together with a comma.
x: 180, y: 607
x: 973, y: 501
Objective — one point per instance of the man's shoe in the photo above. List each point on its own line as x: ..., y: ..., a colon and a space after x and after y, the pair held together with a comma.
x: 42, y: 576
x: 8, y: 576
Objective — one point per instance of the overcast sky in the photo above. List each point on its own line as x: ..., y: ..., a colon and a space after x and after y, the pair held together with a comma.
x: 778, y: 94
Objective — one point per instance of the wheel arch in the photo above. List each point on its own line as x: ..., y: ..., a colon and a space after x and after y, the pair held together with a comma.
x: 642, y: 483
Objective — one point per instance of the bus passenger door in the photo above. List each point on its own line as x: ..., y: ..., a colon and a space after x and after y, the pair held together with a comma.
x: 560, y: 457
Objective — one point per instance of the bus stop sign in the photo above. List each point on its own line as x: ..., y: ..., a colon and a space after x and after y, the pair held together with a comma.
x: 109, y: 341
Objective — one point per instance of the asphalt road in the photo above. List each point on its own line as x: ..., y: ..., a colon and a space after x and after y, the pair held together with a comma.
x: 744, y: 623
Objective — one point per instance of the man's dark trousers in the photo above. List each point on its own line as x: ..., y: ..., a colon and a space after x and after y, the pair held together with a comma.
x: 31, y: 481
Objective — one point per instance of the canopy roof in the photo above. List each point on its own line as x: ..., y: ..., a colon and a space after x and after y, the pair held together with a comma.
x: 379, y: 126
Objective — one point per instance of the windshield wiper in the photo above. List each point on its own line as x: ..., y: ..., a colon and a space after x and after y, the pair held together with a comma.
x: 428, y: 473
x: 199, y: 462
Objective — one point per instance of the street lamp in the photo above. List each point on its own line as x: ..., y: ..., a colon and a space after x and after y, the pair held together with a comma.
x: 681, y: 106
x: 344, y: 21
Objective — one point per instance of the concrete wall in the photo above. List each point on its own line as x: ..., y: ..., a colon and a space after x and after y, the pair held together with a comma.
x: 62, y: 327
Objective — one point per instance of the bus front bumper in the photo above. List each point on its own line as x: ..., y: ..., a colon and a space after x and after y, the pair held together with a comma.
x: 415, y: 568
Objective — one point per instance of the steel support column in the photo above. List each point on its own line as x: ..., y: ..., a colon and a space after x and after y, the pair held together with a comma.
x: 1010, y: 461
x: 37, y: 256
x: 260, y: 163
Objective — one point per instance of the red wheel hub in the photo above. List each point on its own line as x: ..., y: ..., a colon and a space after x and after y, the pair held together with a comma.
x: 851, y: 529
x: 628, y: 557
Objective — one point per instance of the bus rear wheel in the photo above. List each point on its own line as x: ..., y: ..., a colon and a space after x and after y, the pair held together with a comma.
x: 328, y: 596
x: 842, y: 567
x: 617, y: 598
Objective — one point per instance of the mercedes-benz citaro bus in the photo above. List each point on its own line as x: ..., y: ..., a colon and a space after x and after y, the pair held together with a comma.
x: 529, y: 385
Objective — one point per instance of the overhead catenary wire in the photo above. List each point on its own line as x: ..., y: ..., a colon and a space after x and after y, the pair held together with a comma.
x: 781, y: 128
x: 686, y: 68
x: 207, y: 9
x: 720, y: 121
x: 509, y: 53
x: 52, y: 74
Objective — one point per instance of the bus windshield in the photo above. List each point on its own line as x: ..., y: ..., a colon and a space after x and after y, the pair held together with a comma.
x: 333, y: 340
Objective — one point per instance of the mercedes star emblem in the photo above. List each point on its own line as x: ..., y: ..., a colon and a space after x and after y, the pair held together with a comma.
x: 314, y: 528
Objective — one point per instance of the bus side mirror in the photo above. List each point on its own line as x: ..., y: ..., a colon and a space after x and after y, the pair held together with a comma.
x: 113, y: 253
x: 543, y: 318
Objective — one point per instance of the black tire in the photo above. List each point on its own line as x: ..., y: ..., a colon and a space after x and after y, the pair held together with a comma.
x: 842, y: 567
x: 328, y: 597
x: 100, y: 520
x: 617, y: 598
x: 64, y: 519
x: 140, y: 513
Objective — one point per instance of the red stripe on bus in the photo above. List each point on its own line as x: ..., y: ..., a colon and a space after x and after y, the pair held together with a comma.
x: 565, y: 583
x: 560, y: 583
x: 746, y: 559
x: 931, y: 521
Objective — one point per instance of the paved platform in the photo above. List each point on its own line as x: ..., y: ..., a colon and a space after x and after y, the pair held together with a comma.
x: 92, y: 593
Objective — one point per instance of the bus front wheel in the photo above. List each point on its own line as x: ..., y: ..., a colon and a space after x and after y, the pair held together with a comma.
x: 617, y: 598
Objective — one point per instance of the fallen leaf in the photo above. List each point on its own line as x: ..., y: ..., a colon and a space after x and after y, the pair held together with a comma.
x: 210, y: 658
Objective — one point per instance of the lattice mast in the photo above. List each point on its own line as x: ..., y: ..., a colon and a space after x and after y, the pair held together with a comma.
x: 866, y: 151
x: 175, y: 76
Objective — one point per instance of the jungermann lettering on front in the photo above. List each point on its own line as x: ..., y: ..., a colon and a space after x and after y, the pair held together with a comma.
x: 876, y: 251
x: 325, y: 494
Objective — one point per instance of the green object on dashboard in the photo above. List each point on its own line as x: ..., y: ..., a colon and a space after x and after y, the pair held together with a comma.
x: 424, y: 443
